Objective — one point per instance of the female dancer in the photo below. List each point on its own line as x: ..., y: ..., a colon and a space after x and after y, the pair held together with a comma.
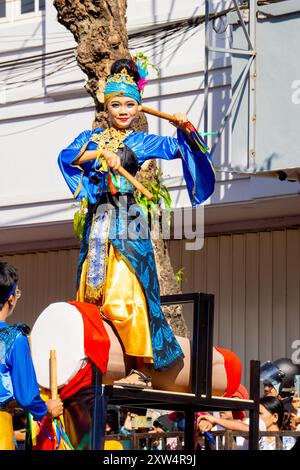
x: 116, y: 269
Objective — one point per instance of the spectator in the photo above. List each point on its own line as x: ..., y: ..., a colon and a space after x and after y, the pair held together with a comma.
x: 17, y: 375
x: 271, y: 411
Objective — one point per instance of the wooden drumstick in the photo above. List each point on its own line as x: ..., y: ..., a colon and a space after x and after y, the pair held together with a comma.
x: 160, y: 114
x: 53, y: 374
x: 135, y: 182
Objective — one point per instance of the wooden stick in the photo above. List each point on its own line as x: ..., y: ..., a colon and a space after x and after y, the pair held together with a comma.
x: 122, y: 172
x: 160, y: 114
x: 53, y: 374
x: 135, y: 182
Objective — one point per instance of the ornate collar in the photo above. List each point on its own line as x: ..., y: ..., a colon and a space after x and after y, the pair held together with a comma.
x: 111, y: 138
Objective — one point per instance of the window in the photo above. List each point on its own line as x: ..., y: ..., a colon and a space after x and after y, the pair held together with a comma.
x: 31, y: 6
x: 27, y: 6
x: 2, y: 8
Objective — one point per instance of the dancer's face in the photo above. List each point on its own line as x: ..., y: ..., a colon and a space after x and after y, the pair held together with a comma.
x: 122, y: 111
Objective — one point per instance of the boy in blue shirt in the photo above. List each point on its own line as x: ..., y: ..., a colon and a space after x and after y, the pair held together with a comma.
x: 17, y: 375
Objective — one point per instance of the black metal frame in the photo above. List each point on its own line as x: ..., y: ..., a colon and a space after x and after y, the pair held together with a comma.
x: 200, y: 399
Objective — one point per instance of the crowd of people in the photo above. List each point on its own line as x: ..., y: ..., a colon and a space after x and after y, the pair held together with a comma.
x: 279, y: 410
x: 149, y: 426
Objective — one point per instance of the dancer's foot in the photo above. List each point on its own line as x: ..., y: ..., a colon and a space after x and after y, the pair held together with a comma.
x: 135, y: 379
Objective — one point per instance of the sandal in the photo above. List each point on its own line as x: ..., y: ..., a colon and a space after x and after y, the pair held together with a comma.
x: 143, y: 381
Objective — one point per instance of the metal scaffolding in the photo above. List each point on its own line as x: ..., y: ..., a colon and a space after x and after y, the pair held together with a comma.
x: 249, y: 73
x: 247, y: 13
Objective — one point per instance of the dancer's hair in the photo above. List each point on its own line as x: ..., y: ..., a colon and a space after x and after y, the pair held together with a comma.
x: 130, y: 67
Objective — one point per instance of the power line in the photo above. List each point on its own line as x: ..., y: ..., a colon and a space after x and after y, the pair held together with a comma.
x: 158, y: 39
x: 90, y: 105
x: 36, y: 79
x: 37, y: 57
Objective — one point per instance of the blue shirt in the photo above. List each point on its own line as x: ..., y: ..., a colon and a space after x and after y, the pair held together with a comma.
x: 17, y: 376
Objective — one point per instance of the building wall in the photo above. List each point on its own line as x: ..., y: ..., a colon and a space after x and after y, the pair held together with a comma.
x: 254, y: 277
x: 43, y: 107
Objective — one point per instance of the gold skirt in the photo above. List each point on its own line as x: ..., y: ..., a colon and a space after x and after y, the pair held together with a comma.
x: 6, y: 431
x: 123, y: 303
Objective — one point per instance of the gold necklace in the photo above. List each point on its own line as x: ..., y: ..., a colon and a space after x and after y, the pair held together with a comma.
x: 111, y: 139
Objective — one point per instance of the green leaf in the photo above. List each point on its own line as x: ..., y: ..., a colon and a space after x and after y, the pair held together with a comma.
x: 179, y: 275
x: 79, y: 218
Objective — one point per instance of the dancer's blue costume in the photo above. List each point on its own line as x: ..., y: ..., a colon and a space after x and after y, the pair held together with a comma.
x: 86, y: 182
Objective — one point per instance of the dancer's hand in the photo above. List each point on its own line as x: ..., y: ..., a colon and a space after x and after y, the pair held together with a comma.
x: 55, y: 407
x: 113, y: 160
x: 181, y: 119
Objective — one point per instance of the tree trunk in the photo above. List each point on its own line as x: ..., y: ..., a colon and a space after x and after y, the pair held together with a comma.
x: 99, y: 28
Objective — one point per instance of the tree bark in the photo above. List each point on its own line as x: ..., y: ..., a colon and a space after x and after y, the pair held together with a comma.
x: 99, y: 28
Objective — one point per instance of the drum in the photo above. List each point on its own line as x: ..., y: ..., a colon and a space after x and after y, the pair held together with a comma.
x: 64, y: 328
x: 60, y: 327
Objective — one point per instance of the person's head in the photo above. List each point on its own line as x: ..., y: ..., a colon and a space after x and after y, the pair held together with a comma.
x: 271, y: 376
x: 156, y: 427
x: 271, y: 411
x: 165, y: 424
x: 9, y: 292
x: 290, y: 369
x: 122, y: 94
x: 269, y: 389
x: 108, y: 427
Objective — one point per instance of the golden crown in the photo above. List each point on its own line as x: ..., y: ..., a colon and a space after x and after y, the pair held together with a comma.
x: 122, y: 76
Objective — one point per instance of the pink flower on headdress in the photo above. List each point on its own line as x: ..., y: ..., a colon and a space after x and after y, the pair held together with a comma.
x: 142, y: 83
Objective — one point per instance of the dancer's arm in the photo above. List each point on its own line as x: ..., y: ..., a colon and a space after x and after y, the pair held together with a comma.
x: 113, y: 160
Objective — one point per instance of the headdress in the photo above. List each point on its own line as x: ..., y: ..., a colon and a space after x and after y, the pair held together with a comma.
x: 123, y: 84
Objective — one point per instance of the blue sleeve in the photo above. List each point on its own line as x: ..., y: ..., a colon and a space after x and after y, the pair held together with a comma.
x: 75, y: 175
x: 155, y: 146
x: 198, y: 170
x: 25, y: 386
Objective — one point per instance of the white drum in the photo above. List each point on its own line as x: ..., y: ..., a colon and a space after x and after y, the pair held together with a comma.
x: 59, y: 327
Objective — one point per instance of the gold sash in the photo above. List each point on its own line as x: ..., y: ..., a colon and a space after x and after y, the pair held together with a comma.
x: 123, y: 303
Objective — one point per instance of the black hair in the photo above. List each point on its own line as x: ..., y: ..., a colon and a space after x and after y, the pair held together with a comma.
x: 273, y: 405
x: 8, y: 277
x: 129, y: 65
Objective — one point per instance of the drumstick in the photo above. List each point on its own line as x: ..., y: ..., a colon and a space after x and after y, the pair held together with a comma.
x: 53, y: 374
x: 154, y: 112
x: 135, y: 182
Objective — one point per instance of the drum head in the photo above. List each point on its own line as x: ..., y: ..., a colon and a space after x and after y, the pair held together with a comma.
x: 59, y: 327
